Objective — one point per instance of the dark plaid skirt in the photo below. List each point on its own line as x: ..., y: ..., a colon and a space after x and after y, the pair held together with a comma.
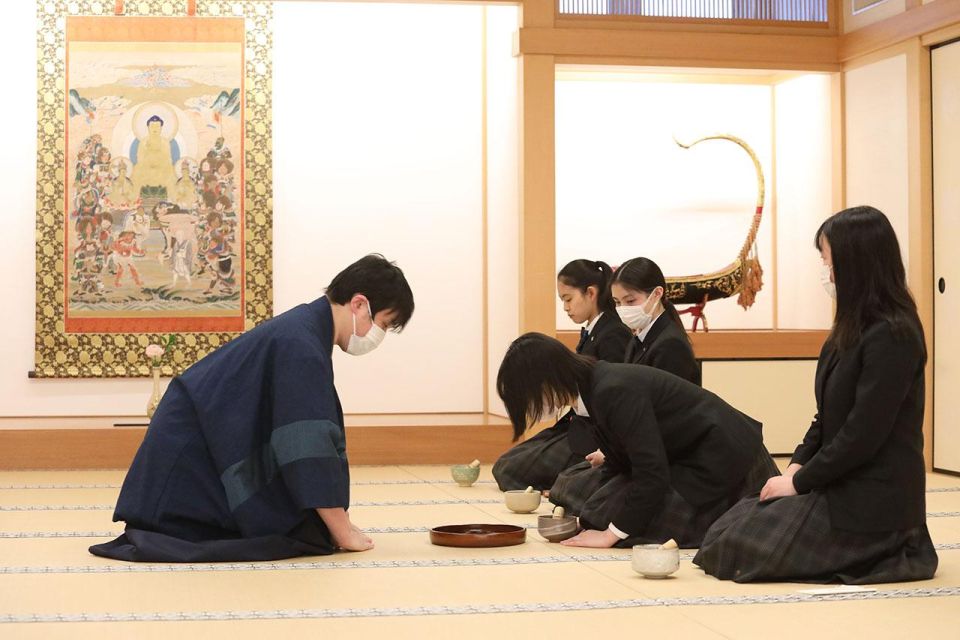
x: 791, y: 539
x: 677, y: 518
x: 575, y: 485
x: 538, y: 461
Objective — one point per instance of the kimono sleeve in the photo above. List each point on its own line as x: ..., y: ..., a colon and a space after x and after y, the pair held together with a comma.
x: 307, y: 438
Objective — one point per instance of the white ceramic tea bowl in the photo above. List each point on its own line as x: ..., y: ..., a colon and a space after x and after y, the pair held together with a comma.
x: 650, y: 561
x: 519, y: 501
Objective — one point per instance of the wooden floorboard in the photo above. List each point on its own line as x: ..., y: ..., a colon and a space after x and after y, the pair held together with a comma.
x: 395, y: 439
x: 743, y: 345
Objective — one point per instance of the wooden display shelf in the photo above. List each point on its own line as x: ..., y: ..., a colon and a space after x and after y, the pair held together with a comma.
x: 743, y: 345
x: 95, y: 443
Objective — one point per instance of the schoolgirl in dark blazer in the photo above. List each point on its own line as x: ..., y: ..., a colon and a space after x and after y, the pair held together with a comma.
x: 851, y: 505
x: 659, y: 340
x: 584, y: 289
x: 868, y: 431
x: 678, y: 455
x: 605, y: 339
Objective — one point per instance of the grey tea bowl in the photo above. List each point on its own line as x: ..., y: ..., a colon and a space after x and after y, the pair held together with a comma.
x: 557, y: 529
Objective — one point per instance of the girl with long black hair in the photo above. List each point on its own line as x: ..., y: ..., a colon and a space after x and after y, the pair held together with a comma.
x: 851, y: 505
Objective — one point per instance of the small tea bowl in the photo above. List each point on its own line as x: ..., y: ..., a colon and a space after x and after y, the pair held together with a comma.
x: 519, y: 501
x: 557, y: 529
x: 650, y: 561
x: 464, y: 475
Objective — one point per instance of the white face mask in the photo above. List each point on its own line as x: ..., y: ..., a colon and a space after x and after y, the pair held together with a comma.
x: 829, y: 287
x: 360, y: 345
x: 638, y: 317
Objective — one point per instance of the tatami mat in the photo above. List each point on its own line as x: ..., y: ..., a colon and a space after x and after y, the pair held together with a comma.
x: 407, y: 587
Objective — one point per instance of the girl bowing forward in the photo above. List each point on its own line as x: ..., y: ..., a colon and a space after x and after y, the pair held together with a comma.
x: 583, y: 287
x: 677, y: 456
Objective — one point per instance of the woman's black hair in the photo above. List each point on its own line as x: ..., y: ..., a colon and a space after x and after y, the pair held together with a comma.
x: 538, y: 370
x: 582, y: 274
x: 643, y: 274
x: 381, y: 281
x: 869, y: 275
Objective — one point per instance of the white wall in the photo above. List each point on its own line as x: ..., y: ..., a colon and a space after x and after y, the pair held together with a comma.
x: 503, y: 196
x: 382, y: 154
x: 372, y: 152
x: 624, y: 189
x: 876, y: 142
x: 18, y: 394
x: 804, y: 189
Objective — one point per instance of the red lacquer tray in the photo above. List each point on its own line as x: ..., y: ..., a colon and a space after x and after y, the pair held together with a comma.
x: 478, y: 535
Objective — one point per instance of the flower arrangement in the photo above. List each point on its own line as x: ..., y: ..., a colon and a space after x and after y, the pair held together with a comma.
x: 156, y: 351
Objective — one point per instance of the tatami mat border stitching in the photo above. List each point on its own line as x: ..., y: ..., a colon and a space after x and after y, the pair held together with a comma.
x: 623, y: 556
x: 370, y: 483
x: 362, y: 483
x: 385, y: 503
x: 16, y: 535
x: 378, y: 503
x: 459, y: 610
x: 301, y: 566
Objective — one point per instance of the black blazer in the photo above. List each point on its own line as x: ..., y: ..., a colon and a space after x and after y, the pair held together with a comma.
x: 865, y: 446
x: 608, y: 340
x: 666, y: 347
x: 666, y: 432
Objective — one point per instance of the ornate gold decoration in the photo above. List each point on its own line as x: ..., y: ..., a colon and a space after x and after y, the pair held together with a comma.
x: 743, y: 276
x: 59, y: 354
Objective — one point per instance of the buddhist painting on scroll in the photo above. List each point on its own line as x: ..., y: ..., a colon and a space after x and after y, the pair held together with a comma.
x: 155, y: 222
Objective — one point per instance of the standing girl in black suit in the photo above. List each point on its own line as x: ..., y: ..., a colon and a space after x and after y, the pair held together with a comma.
x: 851, y: 505
x: 678, y: 456
x: 584, y: 288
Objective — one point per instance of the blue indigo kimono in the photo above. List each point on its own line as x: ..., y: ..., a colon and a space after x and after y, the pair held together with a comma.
x: 242, y: 450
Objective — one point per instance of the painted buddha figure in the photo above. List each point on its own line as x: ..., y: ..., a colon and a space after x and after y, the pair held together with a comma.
x: 154, y: 167
x: 121, y: 192
x: 185, y: 191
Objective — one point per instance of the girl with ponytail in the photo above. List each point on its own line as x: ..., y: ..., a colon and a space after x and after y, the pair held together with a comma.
x: 584, y: 289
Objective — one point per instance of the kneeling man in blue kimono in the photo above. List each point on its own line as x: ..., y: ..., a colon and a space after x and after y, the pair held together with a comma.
x: 245, y: 458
